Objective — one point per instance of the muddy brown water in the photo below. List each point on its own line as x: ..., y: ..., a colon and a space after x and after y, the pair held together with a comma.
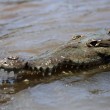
x: 29, y: 28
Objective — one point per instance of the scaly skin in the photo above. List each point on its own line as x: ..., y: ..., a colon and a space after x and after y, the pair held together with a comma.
x: 82, y: 52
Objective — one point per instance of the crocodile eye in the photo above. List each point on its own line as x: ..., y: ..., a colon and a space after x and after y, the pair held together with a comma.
x: 93, y: 43
x: 99, y: 43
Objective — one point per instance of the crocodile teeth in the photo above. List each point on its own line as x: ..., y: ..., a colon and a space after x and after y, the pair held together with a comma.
x: 11, y: 74
x: 2, y: 70
x: 43, y: 74
x: 33, y: 68
x: 49, y: 74
x: 6, y: 72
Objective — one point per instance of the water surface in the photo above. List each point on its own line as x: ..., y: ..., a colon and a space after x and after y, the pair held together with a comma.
x: 31, y: 27
x: 26, y: 25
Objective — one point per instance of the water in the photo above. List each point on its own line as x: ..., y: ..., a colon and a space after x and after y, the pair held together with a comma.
x: 31, y: 27
x: 26, y: 25
x: 67, y: 93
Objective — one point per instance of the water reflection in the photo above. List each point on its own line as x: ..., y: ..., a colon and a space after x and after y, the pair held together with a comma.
x: 93, y: 93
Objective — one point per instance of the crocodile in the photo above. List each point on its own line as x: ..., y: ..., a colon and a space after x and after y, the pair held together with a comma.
x: 80, y: 53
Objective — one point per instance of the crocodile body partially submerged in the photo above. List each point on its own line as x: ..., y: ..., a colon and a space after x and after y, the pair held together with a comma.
x: 82, y: 52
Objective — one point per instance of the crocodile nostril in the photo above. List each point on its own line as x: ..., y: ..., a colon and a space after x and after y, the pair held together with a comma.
x: 13, y: 57
x: 5, y: 62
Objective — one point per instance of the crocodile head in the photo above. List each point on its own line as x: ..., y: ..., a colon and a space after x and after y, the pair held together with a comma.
x: 12, y: 63
x: 92, y: 48
x: 101, y: 46
x: 81, y: 49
